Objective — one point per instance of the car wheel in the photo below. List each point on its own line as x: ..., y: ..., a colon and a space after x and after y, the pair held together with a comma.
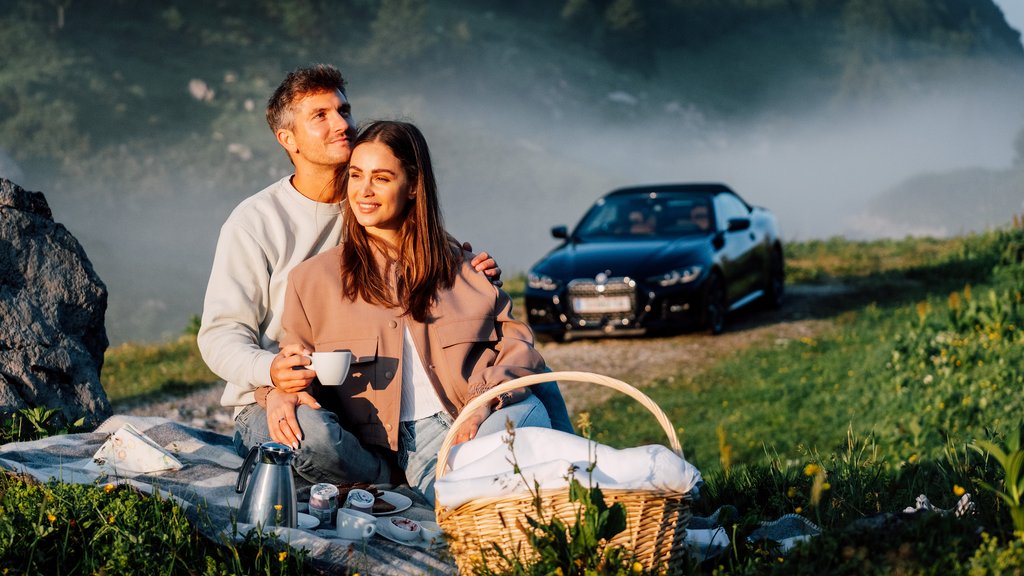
x: 776, y: 281
x: 714, y: 305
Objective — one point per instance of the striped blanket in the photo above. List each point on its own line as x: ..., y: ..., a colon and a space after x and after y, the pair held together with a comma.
x: 205, y: 488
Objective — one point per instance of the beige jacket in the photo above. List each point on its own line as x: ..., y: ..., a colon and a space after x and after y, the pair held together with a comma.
x: 470, y: 344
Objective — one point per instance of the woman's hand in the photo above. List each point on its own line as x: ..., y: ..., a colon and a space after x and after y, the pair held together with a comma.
x: 281, y: 420
x: 468, y: 430
x: 283, y: 373
x: 483, y: 262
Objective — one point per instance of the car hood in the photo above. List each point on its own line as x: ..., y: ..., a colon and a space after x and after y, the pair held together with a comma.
x: 636, y: 258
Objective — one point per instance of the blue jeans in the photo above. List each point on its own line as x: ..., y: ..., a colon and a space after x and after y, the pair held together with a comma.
x: 420, y: 440
x: 551, y: 397
x: 327, y: 453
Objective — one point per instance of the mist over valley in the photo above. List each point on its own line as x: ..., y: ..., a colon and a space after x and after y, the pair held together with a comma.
x: 144, y: 135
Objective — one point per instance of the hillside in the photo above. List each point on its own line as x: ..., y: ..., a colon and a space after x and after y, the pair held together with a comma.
x: 139, y: 120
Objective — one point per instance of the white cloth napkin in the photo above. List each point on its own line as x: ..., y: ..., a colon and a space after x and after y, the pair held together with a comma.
x: 129, y: 450
x: 482, y: 467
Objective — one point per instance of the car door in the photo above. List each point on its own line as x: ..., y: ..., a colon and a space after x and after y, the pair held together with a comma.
x: 739, y: 247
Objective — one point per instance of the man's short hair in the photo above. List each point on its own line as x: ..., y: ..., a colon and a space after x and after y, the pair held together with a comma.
x: 298, y: 84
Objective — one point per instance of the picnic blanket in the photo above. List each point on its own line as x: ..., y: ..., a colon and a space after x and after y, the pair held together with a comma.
x: 204, y: 487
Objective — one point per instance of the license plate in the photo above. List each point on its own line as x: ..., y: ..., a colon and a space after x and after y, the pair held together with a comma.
x: 602, y: 304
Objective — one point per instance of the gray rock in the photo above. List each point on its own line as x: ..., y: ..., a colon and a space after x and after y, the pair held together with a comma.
x: 52, y: 336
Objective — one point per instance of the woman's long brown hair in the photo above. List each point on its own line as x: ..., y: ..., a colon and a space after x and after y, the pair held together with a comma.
x: 425, y: 259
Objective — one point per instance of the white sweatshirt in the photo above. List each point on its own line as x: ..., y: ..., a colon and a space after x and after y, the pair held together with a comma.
x: 265, y: 236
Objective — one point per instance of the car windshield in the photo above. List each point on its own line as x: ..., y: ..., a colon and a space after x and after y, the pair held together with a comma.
x: 647, y: 215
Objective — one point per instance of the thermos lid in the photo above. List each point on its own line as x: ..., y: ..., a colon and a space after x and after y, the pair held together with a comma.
x: 275, y: 453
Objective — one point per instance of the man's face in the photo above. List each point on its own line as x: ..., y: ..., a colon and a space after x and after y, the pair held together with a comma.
x: 322, y: 131
x: 699, y: 215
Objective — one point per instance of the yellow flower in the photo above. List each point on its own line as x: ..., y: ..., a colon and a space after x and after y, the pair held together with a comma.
x: 51, y: 517
x: 826, y: 486
x: 791, y: 493
x: 637, y: 567
x: 811, y: 469
x: 109, y: 488
x: 958, y: 490
x: 278, y: 507
x: 281, y: 556
x: 913, y: 458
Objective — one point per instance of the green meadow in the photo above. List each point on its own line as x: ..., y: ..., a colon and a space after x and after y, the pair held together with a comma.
x: 914, y: 388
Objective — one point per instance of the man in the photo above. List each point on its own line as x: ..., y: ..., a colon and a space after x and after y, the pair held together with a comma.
x: 266, y: 236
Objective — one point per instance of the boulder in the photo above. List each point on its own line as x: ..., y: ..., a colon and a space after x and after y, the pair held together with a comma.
x: 52, y: 336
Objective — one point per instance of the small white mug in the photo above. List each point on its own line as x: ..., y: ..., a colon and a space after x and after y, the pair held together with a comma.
x: 331, y: 367
x: 355, y: 525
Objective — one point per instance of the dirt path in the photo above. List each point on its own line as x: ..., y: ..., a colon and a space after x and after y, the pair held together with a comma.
x: 636, y: 361
x: 642, y: 361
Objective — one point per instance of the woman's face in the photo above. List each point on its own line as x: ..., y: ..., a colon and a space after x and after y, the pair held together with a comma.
x: 378, y: 190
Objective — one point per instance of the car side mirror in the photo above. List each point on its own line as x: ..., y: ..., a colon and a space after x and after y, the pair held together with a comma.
x: 560, y: 232
x: 737, y: 224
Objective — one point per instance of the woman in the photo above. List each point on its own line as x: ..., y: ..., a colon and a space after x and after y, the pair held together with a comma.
x: 427, y: 332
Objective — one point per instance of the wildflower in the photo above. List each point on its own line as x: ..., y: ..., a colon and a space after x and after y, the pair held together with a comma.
x: 791, y: 493
x: 637, y: 567
x: 110, y: 519
x: 281, y: 556
x: 913, y: 458
x: 826, y: 486
x: 51, y: 517
x: 109, y: 488
x: 811, y: 469
x: 928, y: 379
x: 278, y: 507
x: 958, y: 490
x: 798, y: 509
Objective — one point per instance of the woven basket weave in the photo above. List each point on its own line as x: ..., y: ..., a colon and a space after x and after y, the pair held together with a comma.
x: 655, y: 519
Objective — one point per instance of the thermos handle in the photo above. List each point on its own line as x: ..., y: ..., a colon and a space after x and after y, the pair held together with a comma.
x: 243, y: 474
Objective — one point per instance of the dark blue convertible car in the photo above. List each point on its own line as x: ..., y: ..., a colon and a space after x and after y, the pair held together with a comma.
x: 656, y: 258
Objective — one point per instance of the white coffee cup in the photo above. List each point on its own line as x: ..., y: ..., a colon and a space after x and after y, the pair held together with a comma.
x: 431, y: 532
x: 355, y: 525
x: 331, y: 367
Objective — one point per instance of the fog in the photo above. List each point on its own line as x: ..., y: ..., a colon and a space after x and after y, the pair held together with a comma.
x: 511, y: 166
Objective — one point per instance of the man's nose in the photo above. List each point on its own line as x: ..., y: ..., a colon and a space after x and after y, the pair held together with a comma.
x: 339, y: 123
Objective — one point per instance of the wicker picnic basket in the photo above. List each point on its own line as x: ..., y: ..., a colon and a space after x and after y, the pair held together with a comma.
x: 655, y: 519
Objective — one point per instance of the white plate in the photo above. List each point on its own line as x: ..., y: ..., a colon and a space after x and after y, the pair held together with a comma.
x: 307, y: 521
x: 399, y: 501
x: 418, y: 542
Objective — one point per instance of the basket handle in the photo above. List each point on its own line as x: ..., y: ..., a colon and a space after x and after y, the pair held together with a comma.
x: 479, y: 401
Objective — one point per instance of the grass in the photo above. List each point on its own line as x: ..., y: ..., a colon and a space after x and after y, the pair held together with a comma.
x: 846, y: 429
x: 134, y: 373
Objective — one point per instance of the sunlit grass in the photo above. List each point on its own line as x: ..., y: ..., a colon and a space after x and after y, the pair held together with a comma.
x: 842, y: 428
x: 135, y: 372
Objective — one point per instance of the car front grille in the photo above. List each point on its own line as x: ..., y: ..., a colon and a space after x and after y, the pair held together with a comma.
x: 589, y: 291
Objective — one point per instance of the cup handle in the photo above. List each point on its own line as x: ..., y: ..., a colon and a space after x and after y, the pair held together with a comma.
x: 310, y: 366
x: 370, y: 530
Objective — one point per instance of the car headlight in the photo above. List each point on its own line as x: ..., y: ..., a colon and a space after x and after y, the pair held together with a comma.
x: 542, y: 282
x: 677, y: 276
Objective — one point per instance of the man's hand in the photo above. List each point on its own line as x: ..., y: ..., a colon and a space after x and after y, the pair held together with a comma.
x: 468, y: 430
x: 281, y: 420
x: 283, y: 374
x: 483, y: 262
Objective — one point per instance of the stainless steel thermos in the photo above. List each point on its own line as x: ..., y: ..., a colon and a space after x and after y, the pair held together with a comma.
x: 266, y: 477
